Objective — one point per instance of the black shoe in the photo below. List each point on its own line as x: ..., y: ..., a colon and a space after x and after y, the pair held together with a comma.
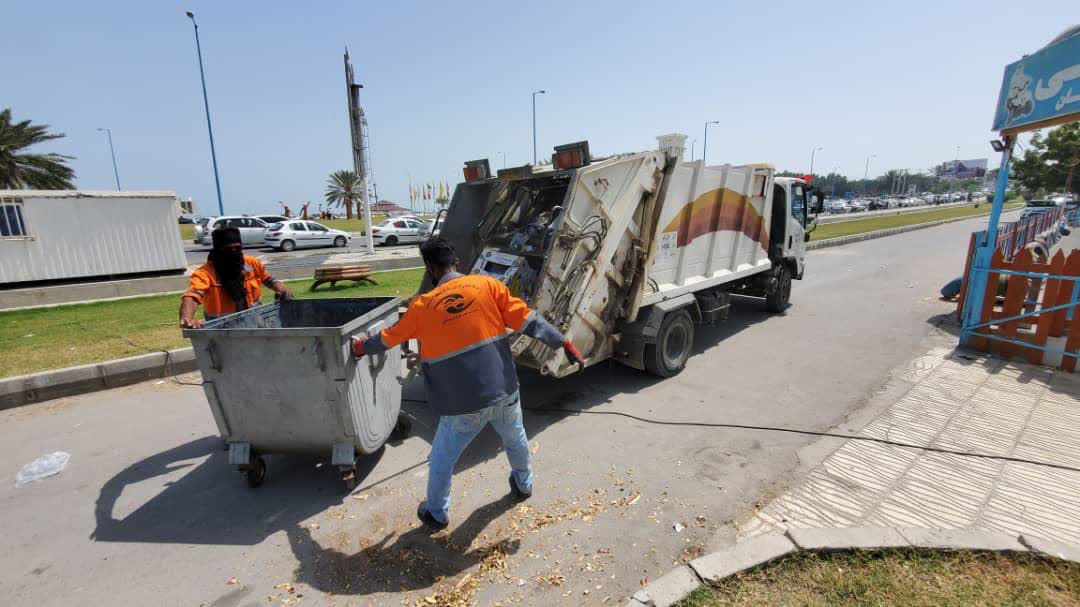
x: 428, y: 520
x: 518, y: 494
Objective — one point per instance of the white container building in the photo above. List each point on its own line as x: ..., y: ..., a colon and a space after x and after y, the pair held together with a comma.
x: 58, y: 235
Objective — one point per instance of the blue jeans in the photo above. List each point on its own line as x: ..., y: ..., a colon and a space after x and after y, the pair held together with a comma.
x: 455, y: 432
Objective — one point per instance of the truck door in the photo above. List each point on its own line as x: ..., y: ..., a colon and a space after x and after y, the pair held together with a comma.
x: 796, y: 233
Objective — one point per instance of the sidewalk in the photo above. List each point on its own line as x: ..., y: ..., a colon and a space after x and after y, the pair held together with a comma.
x: 959, y: 403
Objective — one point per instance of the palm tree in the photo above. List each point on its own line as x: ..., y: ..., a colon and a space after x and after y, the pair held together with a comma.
x: 19, y: 169
x: 343, y: 188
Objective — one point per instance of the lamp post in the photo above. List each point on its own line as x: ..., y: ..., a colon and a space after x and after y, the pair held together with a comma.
x: 503, y: 154
x: 705, y: 143
x: 534, y: 94
x: 866, y: 172
x: 812, y: 152
x: 116, y: 173
x: 206, y: 105
x: 693, y: 144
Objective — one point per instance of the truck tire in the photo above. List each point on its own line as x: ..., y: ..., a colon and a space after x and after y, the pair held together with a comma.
x: 779, y: 295
x: 674, y: 342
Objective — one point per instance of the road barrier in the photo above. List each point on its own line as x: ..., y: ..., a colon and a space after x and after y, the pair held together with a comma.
x: 1029, y: 304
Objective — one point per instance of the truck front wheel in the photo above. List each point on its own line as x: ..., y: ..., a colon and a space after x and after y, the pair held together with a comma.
x: 779, y: 295
x: 674, y: 342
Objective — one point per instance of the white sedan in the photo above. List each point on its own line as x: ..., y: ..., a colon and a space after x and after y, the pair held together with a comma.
x: 298, y: 234
x: 398, y: 230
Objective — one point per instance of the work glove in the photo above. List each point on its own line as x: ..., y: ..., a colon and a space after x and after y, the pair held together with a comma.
x: 358, y: 346
x: 287, y: 295
x: 573, y: 355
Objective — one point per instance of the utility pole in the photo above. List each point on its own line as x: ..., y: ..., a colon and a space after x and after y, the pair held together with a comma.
x: 358, y: 128
x: 705, y: 143
x: 693, y: 144
x: 535, y: 93
x: 866, y: 172
x: 206, y: 105
x: 812, y: 152
x: 116, y: 174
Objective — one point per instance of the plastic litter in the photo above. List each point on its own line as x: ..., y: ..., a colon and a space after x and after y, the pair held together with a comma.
x: 43, y: 467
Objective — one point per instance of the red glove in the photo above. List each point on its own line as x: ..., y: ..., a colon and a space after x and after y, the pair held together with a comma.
x: 358, y: 346
x: 573, y: 354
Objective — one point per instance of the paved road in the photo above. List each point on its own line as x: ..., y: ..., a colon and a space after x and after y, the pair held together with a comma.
x: 148, y: 511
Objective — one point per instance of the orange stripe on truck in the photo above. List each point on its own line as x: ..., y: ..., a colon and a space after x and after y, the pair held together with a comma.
x: 718, y: 210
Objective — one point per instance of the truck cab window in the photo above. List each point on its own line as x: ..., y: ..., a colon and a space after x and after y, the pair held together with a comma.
x: 798, y: 203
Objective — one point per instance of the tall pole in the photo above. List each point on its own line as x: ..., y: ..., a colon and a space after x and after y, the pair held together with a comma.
x: 535, y: 93
x: 956, y: 171
x: 693, y: 144
x: 705, y: 143
x: 206, y: 105
x: 866, y: 172
x: 812, y: 152
x: 358, y: 133
x: 116, y: 173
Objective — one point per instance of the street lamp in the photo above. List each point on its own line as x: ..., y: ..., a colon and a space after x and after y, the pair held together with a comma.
x: 206, y: 105
x: 693, y: 144
x: 705, y: 143
x: 866, y: 172
x: 534, y: 94
x: 504, y: 156
x: 116, y: 174
x: 812, y: 152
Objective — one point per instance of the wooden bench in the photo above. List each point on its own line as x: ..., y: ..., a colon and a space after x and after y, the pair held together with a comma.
x: 335, y: 274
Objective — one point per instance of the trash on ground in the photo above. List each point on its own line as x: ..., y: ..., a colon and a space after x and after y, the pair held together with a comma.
x: 678, y: 527
x: 43, y: 467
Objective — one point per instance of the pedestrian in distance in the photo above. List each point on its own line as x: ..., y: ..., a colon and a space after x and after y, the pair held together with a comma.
x: 228, y: 282
x: 468, y: 369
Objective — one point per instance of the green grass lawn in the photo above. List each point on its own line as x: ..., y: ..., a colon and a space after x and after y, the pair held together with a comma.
x: 187, y: 232
x: 870, y: 224
x: 901, y: 578
x: 50, y: 338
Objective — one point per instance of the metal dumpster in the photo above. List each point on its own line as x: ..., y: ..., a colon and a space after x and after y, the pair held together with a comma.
x: 281, y: 378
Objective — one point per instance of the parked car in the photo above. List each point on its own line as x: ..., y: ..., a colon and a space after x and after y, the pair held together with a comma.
x: 251, y: 229
x: 399, y: 230
x: 269, y: 219
x: 299, y: 234
x: 200, y: 229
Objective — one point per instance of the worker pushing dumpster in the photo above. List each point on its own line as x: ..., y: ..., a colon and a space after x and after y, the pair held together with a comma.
x: 281, y: 378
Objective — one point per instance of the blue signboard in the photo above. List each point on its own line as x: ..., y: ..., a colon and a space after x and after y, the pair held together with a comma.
x: 1041, y: 87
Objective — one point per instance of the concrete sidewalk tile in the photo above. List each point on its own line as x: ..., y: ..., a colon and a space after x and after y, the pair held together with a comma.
x: 744, y: 555
x: 670, y: 588
x: 633, y: 602
x: 1045, y: 547
x: 961, y: 539
x: 851, y: 538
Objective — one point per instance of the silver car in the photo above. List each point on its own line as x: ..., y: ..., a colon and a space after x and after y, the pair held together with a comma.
x: 298, y: 234
x: 251, y: 229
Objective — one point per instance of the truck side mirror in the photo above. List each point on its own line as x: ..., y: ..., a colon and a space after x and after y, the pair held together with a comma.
x: 819, y: 201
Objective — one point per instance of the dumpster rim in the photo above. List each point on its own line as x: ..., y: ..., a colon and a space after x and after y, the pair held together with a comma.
x: 392, y: 303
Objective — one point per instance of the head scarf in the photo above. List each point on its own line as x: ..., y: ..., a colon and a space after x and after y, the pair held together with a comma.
x: 229, y: 265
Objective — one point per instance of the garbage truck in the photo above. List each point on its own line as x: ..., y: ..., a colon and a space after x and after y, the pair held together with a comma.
x: 627, y: 254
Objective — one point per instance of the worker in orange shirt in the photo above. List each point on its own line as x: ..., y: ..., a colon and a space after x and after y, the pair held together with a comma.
x: 228, y: 282
x: 468, y: 369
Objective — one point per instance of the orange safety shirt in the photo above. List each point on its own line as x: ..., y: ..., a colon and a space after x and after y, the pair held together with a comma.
x: 205, y: 288
x: 461, y: 326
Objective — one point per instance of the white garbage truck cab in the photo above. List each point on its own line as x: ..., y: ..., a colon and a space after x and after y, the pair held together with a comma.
x: 626, y: 254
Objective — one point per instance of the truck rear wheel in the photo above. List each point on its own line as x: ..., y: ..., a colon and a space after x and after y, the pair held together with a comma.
x: 779, y: 295
x: 674, y: 341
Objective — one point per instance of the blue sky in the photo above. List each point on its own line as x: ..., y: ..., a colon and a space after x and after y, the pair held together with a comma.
x: 448, y: 82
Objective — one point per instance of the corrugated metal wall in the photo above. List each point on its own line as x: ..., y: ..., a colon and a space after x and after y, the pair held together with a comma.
x: 84, y: 234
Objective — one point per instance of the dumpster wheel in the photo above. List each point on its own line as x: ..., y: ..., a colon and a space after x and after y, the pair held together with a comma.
x: 255, y: 473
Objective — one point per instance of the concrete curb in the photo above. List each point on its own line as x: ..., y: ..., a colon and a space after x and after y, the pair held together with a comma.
x: 753, y: 552
x: 26, y: 389
x: 845, y: 217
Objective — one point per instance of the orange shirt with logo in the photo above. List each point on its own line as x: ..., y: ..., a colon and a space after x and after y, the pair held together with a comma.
x: 205, y: 289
